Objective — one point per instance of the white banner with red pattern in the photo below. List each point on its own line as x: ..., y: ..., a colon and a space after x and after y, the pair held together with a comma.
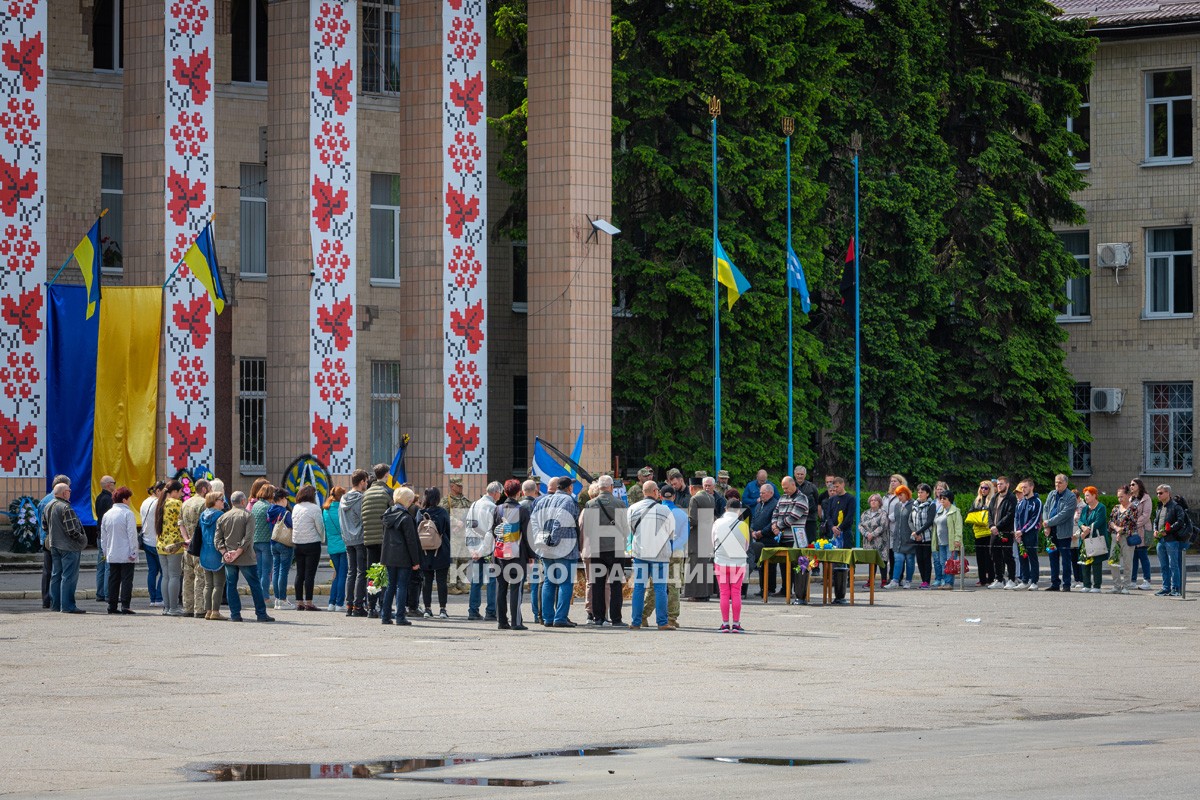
x: 464, y: 237
x: 22, y: 238
x: 189, y: 167
x: 332, y: 135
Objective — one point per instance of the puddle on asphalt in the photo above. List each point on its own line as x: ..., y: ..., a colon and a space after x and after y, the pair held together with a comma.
x: 511, y: 782
x: 1132, y: 743
x: 776, y: 762
x: 384, y: 769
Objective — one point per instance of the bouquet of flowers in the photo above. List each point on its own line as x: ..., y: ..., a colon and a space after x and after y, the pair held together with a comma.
x: 1114, y: 557
x: 23, y: 513
x: 802, y: 565
x: 377, y: 578
x: 823, y: 544
x: 1021, y: 550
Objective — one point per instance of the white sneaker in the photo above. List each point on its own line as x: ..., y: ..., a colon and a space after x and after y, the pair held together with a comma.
x: 331, y: 607
x: 340, y: 608
x: 892, y: 585
x: 996, y: 585
x: 1123, y: 591
x: 1022, y: 585
x: 1010, y: 585
x: 285, y: 605
x: 160, y: 605
x: 906, y: 585
x: 276, y: 606
x: 1145, y: 586
x: 1033, y: 587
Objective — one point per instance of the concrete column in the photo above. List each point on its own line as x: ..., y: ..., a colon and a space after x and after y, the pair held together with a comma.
x: 570, y: 177
x: 288, y: 258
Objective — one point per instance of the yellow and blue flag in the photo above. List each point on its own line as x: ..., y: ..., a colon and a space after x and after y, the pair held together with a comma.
x: 87, y: 255
x: 201, y: 259
x: 729, y: 275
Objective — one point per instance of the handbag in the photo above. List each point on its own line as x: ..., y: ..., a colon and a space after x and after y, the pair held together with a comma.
x: 1134, y: 540
x: 953, y: 566
x: 282, y: 533
x: 196, y: 543
x: 1095, y: 546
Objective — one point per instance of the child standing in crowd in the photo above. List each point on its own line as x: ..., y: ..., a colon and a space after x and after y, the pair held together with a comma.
x: 731, y: 543
x: 336, y: 549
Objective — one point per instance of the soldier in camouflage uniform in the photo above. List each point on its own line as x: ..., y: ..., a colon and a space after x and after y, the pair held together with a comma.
x: 457, y: 504
x: 635, y: 491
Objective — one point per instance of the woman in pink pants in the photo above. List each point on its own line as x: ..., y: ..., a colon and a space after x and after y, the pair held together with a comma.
x: 731, y: 538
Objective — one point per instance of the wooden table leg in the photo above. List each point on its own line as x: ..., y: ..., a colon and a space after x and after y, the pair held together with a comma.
x: 763, y: 572
x: 853, y: 575
x: 787, y: 578
x: 826, y: 586
x: 872, y: 575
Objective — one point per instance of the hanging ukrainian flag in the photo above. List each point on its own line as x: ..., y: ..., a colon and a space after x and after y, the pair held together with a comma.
x: 201, y: 259
x: 87, y: 256
x: 730, y: 276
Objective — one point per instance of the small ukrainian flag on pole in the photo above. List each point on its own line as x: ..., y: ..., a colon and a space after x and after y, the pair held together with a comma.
x: 730, y: 276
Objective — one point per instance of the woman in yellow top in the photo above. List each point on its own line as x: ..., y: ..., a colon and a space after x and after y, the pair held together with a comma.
x: 979, y: 518
x: 171, y: 543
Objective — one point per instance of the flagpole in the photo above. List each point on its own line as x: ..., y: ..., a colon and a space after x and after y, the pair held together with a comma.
x: 714, y: 108
x: 68, y: 261
x: 175, y: 271
x: 789, y: 126
x: 856, y: 145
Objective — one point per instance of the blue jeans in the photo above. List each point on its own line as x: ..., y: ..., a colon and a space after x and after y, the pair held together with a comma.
x: 535, y: 586
x: 558, y: 584
x: 1141, y: 555
x: 281, y: 561
x: 337, y: 590
x: 101, y: 574
x: 262, y: 554
x: 153, y: 574
x: 1170, y: 559
x: 1031, y: 570
x: 64, y: 575
x: 909, y: 560
x: 657, y: 572
x: 397, y: 592
x: 1061, y: 563
x: 256, y: 593
x: 479, y: 572
x: 939, y: 562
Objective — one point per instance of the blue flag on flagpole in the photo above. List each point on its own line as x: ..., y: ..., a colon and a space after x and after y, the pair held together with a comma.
x: 795, y: 278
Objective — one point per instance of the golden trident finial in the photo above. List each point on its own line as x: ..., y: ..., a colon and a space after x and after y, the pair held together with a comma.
x: 714, y: 107
x: 789, y: 125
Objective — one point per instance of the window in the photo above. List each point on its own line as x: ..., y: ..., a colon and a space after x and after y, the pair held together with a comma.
x: 112, y: 197
x: 520, y: 277
x: 1168, y: 272
x: 385, y: 229
x: 1081, y: 126
x: 249, y: 29
x: 381, y: 46
x: 1169, y: 115
x: 385, y: 411
x: 520, y: 425
x: 252, y: 412
x: 1169, y: 427
x: 1080, y: 453
x: 254, y: 220
x: 108, y: 35
x: 1078, y: 290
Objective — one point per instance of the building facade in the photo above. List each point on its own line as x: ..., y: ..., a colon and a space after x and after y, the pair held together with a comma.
x: 1134, y: 337
x: 344, y: 153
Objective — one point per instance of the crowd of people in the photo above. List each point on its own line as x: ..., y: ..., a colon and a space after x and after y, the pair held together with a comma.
x: 390, y: 545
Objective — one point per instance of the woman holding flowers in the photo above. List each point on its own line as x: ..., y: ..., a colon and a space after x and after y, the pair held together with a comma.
x: 1093, y: 521
x: 1122, y: 526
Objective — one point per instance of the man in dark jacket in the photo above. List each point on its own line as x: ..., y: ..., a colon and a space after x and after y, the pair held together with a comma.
x: 103, y: 504
x: 701, y: 512
x: 1173, y: 532
x: 760, y: 531
x: 1004, y: 518
x: 606, y: 527
x: 838, y: 521
x: 375, y: 502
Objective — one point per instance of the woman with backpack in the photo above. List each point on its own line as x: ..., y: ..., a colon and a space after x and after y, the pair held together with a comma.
x: 435, y: 562
x: 336, y: 548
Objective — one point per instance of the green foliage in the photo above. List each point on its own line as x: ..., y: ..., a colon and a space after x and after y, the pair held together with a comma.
x: 965, y: 171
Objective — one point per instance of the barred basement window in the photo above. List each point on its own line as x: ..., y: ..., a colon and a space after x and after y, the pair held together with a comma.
x: 1169, y: 427
x: 252, y: 408
x: 385, y: 411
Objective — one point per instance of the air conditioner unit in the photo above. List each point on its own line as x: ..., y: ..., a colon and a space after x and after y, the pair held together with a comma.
x: 1113, y: 255
x: 1107, y: 401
